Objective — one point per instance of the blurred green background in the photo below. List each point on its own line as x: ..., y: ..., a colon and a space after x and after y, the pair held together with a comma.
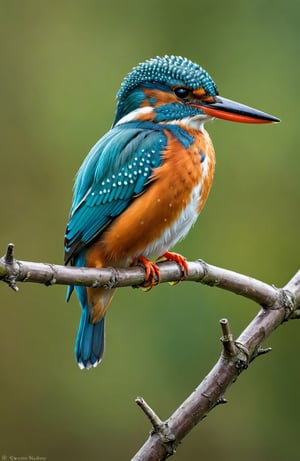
x: 61, y: 65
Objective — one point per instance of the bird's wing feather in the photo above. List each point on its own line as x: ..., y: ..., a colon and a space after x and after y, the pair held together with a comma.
x: 116, y: 170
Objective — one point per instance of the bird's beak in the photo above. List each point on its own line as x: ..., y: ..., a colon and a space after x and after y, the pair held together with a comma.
x: 235, y: 112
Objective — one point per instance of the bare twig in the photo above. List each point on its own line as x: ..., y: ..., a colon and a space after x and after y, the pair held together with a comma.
x: 199, y: 271
x: 229, y: 347
x: 279, y: 305
x: 235, y: 358
x: 154, y: 419
x: 9, y: 255
x: 9, y: 267
x: 160, y: 428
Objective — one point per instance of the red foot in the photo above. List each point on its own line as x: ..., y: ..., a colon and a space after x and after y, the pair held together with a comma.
x: 151, y: 272
x: 180, y: 260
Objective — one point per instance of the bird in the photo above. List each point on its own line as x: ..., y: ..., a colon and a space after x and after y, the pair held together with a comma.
x: 142, y: 186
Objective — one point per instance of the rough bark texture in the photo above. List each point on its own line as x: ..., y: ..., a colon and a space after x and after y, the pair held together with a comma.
x: 278, y: 306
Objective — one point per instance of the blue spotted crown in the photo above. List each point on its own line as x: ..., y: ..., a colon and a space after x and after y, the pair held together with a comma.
x: 171, y: 70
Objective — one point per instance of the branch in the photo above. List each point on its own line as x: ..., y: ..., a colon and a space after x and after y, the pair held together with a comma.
x: 279, y: 305
x: 235, y: 358
x: 12, y: 271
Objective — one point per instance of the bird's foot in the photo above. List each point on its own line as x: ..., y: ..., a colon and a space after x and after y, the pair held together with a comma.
x: 180, y: 260
x: 152, y: 273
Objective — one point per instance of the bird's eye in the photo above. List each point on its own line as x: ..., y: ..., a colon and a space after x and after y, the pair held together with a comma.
x: 182, y: 92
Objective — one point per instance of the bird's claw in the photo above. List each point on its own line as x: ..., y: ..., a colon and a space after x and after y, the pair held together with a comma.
x: 180, y: 260
x: 152, y: 272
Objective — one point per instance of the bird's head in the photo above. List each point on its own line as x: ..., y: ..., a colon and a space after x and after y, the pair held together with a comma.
x: 172, y: 88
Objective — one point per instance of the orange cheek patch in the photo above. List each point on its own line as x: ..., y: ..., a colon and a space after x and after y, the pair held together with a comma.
x: 199, y: 93
x: 158, y: 98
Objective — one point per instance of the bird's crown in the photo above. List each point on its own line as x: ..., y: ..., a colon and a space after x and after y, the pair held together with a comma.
x: 171, y: 70
x: 174, y: 78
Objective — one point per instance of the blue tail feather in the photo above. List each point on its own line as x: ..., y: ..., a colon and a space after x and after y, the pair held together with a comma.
x: 89, y: 347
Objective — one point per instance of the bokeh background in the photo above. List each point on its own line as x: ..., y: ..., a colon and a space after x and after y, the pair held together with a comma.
x: 61, y: 65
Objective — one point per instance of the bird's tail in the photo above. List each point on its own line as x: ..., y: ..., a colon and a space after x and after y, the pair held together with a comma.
x: 89, y: 347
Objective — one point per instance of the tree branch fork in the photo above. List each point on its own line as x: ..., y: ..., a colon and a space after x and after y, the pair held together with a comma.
x: 277, y: 306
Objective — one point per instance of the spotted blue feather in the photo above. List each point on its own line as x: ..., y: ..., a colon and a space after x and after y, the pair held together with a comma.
x: 116, y: 170
x: 172, y: 70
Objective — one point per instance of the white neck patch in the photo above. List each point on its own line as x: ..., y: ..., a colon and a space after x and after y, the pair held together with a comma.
x: 196, y: 122
x: 134, y: 115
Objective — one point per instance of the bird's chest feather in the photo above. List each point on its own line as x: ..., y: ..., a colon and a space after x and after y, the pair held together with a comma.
x: 165, y: 212
x: 184, y: 181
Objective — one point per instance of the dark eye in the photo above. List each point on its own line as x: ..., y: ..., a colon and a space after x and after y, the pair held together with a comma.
x: 182, y: 92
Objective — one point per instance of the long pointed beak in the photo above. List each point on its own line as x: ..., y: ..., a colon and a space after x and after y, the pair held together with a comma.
x: 235, y: 112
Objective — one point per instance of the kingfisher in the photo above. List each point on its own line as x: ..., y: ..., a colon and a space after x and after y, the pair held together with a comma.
x: 142, y: 186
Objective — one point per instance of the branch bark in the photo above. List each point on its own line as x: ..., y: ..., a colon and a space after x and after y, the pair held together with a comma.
x: 235, y: 358
x: 278, y: 306
x: 13, y: 271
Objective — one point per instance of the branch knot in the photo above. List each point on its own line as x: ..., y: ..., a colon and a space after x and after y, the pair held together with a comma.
x: 10, y: 271
x: 159, y: 427
x: 288, y: 301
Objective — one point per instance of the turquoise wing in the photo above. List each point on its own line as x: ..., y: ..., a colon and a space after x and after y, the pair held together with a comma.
x: 114, y: 173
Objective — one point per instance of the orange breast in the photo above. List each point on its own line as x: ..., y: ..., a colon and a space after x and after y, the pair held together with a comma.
x: 165, y: 212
